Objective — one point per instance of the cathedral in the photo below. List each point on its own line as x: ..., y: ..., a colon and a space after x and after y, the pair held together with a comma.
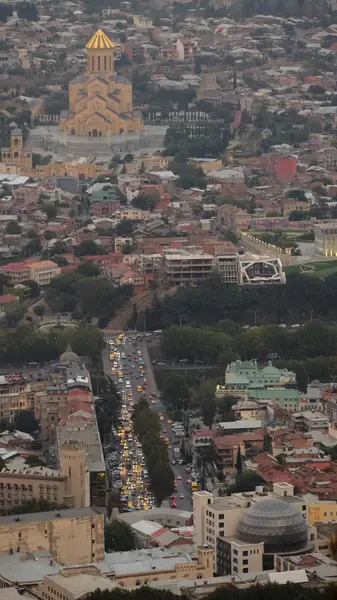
x: 100, y: 100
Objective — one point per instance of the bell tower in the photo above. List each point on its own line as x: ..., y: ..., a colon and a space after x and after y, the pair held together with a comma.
x: 101, y: 53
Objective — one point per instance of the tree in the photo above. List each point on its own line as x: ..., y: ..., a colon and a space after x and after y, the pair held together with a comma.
x: 35, y: 506
x: 25, y: 420
x: 13, y: 228
x: 124, y: 227
x: 175, y: 390
x: 134, y: 316
x: 50, y: 209
x: 239, y: 461
x: 32, y: 460
x: 246, y: 482
x: 57, y: 102
x: 88, y: 269
x: 14, y: 314
x: 208, y: 411
x: 88, y: 248
x: 39, y: 310
x: 33, y: 247
x: 27, y: 11
x: 197, y: 65
x: 146, y: 201
x: 118, y: 537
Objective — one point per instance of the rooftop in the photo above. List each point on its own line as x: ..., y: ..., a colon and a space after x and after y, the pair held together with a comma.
x: 50, y: 515
x: 99, y: 41
x: 82, y: 583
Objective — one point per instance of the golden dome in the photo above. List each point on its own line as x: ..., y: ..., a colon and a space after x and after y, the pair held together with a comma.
x: 99, y: 41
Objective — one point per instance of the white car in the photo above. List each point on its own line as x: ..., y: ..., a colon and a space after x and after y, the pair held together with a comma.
x: 127, y: 384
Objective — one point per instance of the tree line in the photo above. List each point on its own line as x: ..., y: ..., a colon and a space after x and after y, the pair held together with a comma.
x: 297, y: 301
x: 203, y: 139
x: 310, y: 351
x: 226, y: 592
x: 147, y: 426
x: 86, y: 294
x: 24, y: 344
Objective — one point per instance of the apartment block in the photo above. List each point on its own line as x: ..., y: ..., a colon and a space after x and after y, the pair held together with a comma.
x: 73, y: 536
x: 75, y: 583
x: 68, y: 486
x: 188, y: 265
x: 237, y: 557
x: 42, y: 272
x: 326, y: 238
x: 217, y: 523
x: 228, y: 267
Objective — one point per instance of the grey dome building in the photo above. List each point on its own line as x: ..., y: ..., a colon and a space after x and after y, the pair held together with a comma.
x: 278, y: 524
x: 68, y: 356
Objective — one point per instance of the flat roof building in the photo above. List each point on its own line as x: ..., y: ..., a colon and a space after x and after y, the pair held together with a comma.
x: 326, y: 238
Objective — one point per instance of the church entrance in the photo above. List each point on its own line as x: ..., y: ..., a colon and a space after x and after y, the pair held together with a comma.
x: 94, y: 133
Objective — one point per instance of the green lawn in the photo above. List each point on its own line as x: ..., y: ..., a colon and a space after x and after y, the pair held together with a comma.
x: 323, y: 269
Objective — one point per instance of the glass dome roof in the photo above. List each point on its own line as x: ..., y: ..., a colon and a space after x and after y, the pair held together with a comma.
x: 276, y: 523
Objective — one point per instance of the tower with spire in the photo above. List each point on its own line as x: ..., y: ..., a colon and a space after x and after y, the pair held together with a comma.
x: 100, y: 100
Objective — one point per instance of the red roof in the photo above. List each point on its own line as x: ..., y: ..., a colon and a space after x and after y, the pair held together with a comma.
x: 206, y: 433
x: 14, y: 267
x: 7, y: 298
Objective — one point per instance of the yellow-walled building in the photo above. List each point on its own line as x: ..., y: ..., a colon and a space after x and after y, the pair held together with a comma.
x: 100, y: 100
x: 322, y: 512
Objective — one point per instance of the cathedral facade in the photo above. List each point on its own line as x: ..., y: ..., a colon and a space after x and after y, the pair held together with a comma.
x: 100, y: 100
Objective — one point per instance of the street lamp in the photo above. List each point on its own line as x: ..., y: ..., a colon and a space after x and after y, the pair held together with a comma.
x: 255, y: 316
x: 180, y: 317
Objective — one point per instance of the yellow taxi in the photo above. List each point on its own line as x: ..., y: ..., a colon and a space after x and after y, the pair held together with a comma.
x: 120, y: 373
x: 139, y: 388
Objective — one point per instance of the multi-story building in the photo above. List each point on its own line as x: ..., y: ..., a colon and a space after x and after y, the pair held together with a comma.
x: 44, y: 271
x: 187, y: 265
x: 326, y: 238
x: 16, y: 393
x: 310, y: 421
x: 261, y: 270
x: 125, y: 569
x: 121, y: 241
x: 105, y: 202
x: 41, y: 272
x: 69, y: 486
x: 228, y: 267
x: 15, y: 156
x: 225, y: 448
x: 18, y: 272
x: 74, y: 536
x: 226, y: 519
x: 75, y: 583
x: 245, y: 379
x: 150, y: 263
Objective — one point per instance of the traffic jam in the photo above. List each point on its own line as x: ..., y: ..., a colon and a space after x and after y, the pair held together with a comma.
x: 128, y: 370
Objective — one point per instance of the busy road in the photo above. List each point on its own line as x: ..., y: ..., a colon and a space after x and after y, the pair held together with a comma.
x: 127, y: 361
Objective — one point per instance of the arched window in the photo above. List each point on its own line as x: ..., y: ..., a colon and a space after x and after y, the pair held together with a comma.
x: 16, y: 155
x: 16, y: 142
x: 92, y: 63
x: 105, y: 63
x: 99, y: 63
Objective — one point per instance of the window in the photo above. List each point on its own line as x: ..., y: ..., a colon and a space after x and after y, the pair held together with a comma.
x: 245, y: 561
x: 245, y: 570
x: 245, y: 553
x: 235, y: 552
x: 221, y: 516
